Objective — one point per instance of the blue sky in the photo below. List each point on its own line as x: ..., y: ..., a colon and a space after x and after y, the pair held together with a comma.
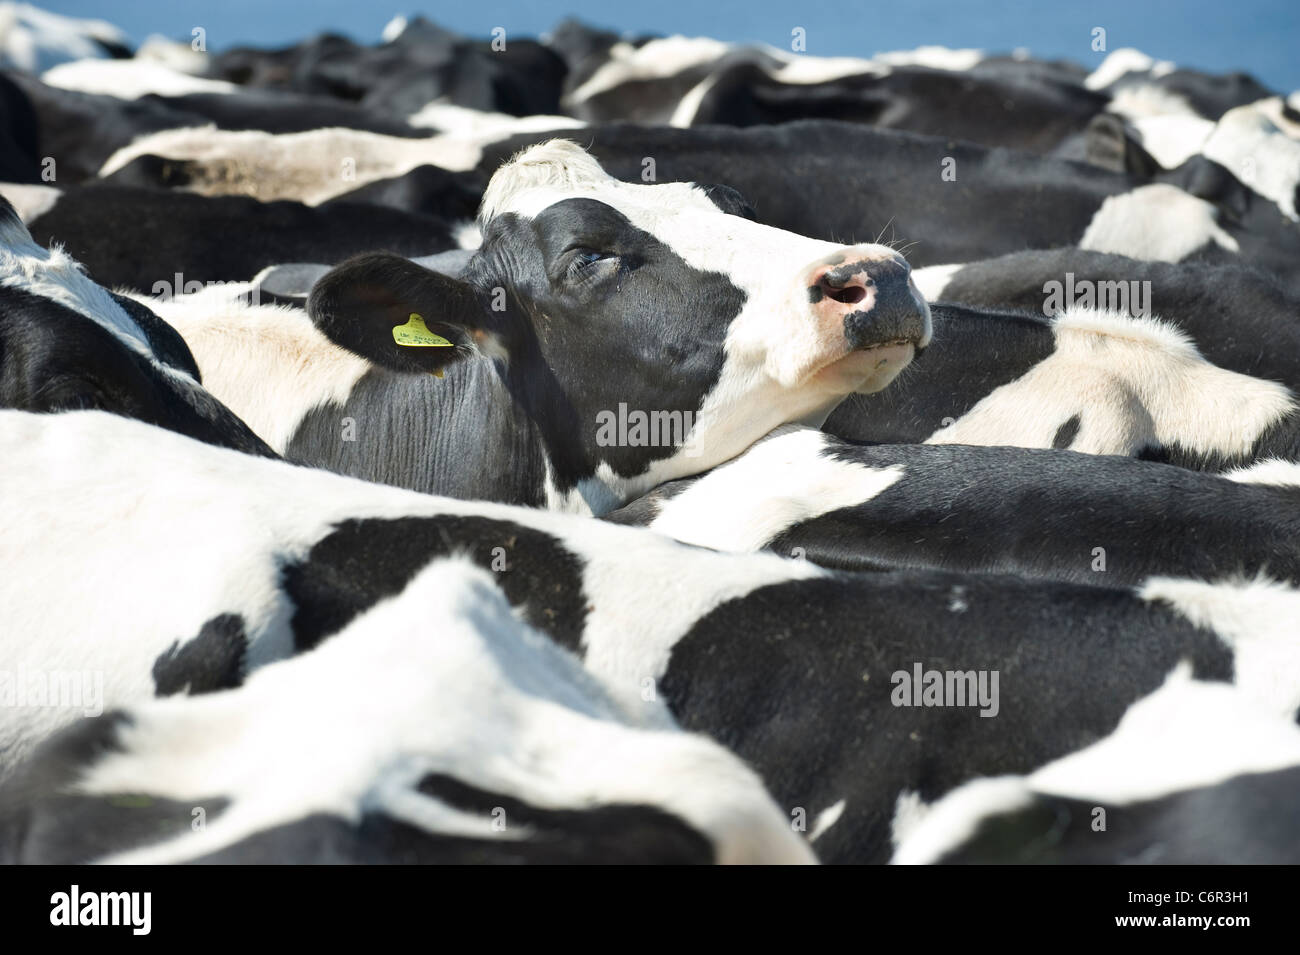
x: 1258, y: 36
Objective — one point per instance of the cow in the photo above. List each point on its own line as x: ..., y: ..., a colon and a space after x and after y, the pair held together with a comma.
x: 1193, y: 774
x: 164, y: 243
x: 455, y: 734
x: 1102, y: 520
x: 605, y: 338
x: 1230, y: 311
x: 67, y: 343
x: 1088, y: 379
x: 818, y: 679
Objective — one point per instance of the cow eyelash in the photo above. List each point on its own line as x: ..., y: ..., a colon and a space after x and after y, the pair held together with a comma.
x: 586, y: 258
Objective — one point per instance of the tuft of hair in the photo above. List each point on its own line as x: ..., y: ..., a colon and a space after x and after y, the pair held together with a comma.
x: 554, y: 163
x: 1152, y: 332
x: 1272, y: 471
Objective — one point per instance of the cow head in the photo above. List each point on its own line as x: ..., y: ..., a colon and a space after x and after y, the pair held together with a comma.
x: 621, y: 310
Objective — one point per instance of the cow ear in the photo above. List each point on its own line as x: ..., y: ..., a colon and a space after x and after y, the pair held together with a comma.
x: 398, y: 314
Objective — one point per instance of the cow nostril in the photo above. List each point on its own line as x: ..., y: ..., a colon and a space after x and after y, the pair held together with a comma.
x: 849, y: 295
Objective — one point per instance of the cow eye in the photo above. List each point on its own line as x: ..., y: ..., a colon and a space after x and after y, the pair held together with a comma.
x: 583, y: 261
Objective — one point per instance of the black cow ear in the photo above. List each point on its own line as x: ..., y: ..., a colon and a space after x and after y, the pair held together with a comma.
x: 398, y: 314
x: 1108, y: 144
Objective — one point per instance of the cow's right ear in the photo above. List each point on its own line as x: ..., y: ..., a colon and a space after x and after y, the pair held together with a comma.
x: 398, y: 314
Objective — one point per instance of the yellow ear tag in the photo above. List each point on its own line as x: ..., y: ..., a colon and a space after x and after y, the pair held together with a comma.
x: 415, y: 334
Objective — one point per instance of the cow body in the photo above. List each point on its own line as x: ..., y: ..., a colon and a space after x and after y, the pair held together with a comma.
x: 472, y: 740
x: 281, y: 558
x: 1087, y: 519
x: 1089, y: 380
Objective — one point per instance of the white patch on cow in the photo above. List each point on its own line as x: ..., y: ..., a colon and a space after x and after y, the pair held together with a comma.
x: 1171, y: 140
x: 173, y: 54
x: 825, y: 819
x: 954, y: 819
x: 1257, y: 619
x: 1133, y: 383
x: 266, y: 363
x: 933, y: 279
x: 685, y: 112
x: 1250, y: 146
x: 1158, y: 223
x: 799, y: 69
x: 33, y: 40
x: 655, y: 60
x: 1272, y: 471
x: 467, y: 234
x: 933, y: 58
x: 1125, y: 60
x: 781, y: 365
x: 309, y: 167
x: 1187, y: 734
x: 1146, y: 100
x: 443, y: 678
x: 130, y: 79
x: 783, y: 480
x: 910, y: 811
x: 30, y: 201
x: 1272, y: 108
x: 463, y: 121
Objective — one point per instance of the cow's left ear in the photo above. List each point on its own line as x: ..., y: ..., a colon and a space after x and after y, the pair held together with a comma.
x: 398, y: 314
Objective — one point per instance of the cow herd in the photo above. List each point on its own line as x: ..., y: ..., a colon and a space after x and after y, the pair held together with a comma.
x: 612, y: 449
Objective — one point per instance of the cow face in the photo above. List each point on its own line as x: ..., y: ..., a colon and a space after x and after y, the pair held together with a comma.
x: 614, y: 304
x: 66, y: 344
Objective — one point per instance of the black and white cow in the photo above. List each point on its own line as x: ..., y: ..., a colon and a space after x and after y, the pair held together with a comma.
x: 454, y: 733
x: 1092, y: 380
x: 1094, y: 519
x: 1239, y: 318
x: 66, y: 343
x: 605, y: 338
x: 1193, y: 774
x: 794, y: 668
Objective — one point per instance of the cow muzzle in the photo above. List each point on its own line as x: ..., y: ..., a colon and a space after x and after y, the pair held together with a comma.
x: 870, y: 317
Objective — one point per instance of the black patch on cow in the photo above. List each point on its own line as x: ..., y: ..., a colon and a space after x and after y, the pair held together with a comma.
x: 602, y: 835
x: 729, y: 200
x: 642, y: 329
x: 1244, y: 820
x: 1050, y: 511
x: 1066, y: 433
x: 806, y: 696
x: 212, y: 660
x: 164, y: 341
x: 363, y: 561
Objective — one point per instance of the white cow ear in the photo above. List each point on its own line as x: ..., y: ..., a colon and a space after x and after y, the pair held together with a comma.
x: 398, y: 314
